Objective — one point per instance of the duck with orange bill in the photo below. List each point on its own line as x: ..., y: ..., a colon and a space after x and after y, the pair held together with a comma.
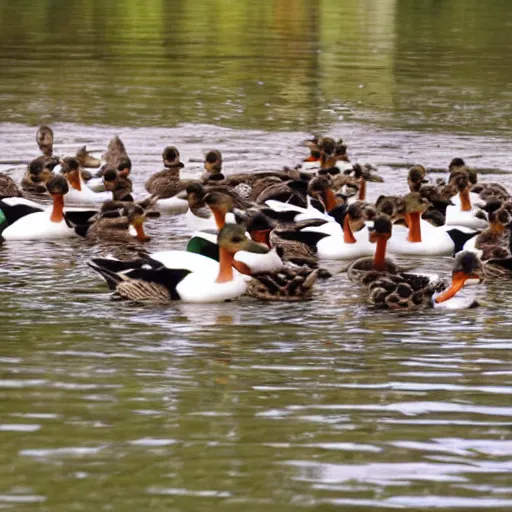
x: 79, y: 193
x: 405, y: 291
x: 48, y: 225
x: 181, y: 275
x: 464, y: 213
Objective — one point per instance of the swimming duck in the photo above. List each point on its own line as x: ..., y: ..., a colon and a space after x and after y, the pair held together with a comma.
x: 421, y: 238
x: 464, y: 214
x: 116, y: 151
x: 181, y: 275
x: 379, y: 234
x: 348, y: 243
x: 118, y: 184
x: 78, y: 192
x: 45, y: 225
x: 412, y: 291
x: 44, y: 139
x: 39, y: 171
x: 8, y: 187
x: 245, y: 262
x: 212, y: 166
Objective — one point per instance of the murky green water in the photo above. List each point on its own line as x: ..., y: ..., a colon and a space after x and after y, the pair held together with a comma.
x: 246, y: 405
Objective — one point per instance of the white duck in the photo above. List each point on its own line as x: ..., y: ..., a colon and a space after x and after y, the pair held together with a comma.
x: 181, y: 275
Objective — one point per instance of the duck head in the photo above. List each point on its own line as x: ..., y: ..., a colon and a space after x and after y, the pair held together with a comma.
x: 213, y: 162
x: 380, y: 233
x: 320, y: 188
x: 171, y: 158
x: 57, y: 187
x: 85, y: 158
x: 71, y: 170
x: 341, y: 151
x: 315, y: 152
x: 467, y: 267
x: 220, y: 204
x: 499, y: 221
x: 416, y: 177
x: 327, y: 148
x: 194, y: 194
x: 361, y: 181
x: 392, y: 206
x: 259, y: 226
x: 40, y: 169
x: 353, y: 221
x: 231, y: 239
x: 462, y: 185
x: 124, y: 167
x: 415, y: 207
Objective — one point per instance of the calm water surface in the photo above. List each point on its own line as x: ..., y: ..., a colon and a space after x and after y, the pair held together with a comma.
x: 248, y: 405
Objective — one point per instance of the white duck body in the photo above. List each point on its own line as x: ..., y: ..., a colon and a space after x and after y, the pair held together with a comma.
x: 457, y: 217
x: 334, y: 246
x: 86, y: 196
x: 269, y: 262
x: 96, y: 185
x: 38, y: 226
x: 200, y: 285
x: 196, y: 223
x: 172, y: 204
x: 13, y: 201
x: 474, y: 198
x: 434, y: 242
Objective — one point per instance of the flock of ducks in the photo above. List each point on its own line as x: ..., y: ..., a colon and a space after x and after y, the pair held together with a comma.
x: 264, y: 233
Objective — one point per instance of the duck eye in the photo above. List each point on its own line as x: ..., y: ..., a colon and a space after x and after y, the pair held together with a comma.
x: 237, y: 239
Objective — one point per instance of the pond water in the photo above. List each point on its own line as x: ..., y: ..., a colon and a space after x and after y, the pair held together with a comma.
x: 323, y: 405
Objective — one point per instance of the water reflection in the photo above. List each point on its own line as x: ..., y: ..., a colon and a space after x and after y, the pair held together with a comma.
x: 274, y: 64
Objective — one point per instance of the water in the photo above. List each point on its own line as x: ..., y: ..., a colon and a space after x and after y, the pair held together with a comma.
x: 323, y: 405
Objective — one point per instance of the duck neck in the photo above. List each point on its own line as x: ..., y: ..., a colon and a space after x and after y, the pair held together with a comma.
x: 327, y: 162
x: 465, y: 201
x: 220, y: 218
x: 496, y: 228
x: 458, y: 280
x: 329, y: 200
x: 348, y: 235
x: 225, y: 266
x: 74, y: 180
x: 58, y: 208
x: 413, y: 222
x: 362, y: 190
x: 139, y: 229
x: 379, y: 260
x: 261, y: 236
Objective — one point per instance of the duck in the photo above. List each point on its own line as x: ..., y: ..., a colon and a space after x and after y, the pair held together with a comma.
x: 494, y: 242
x: 46, y: 225
x: 464, y: 214
x: 212, y: 167
x: 116, y: 151
x: 118, y: 183
x: 8, y: 187
x: 181, y: 275
x: 39, y: 171
x: 44, y: 139
x: 420, y: 238
x: 349, y: 242
x: 404, y: 291
x: 245, y: 262
x: 78, y: 192
x: 379, y: 234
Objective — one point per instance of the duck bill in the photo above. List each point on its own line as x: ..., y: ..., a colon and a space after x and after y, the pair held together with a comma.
x: 458, y: 281
x: 413, y: 222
